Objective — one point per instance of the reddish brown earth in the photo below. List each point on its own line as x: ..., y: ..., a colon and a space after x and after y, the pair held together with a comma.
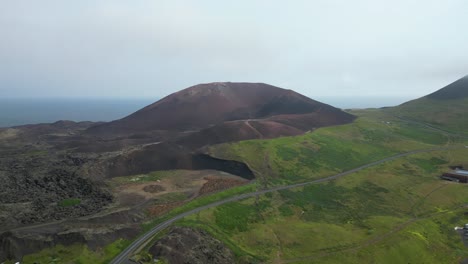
x: 219, y: 184
x: 202, y: 115
x: 160, y: 209
x: 204, y: 105
x: 154, y: 188
x: 236, y: 131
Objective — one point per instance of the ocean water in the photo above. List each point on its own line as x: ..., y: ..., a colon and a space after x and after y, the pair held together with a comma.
x: 20, y: 111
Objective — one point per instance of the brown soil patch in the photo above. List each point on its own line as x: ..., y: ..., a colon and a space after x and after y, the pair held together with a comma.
x: 215, y: 184
x: 192, y: 183
x: 154, y: 188
x: 160, y: 209
x: 130, y: 199
x: 8, y: 133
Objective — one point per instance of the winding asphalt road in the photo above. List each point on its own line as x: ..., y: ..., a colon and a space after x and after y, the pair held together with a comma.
x: 123, y: 257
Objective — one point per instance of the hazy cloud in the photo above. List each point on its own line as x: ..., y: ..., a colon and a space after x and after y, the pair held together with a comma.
x: 147, y: 48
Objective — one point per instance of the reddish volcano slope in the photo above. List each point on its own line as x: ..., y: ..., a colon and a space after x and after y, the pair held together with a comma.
x: 208, y: 114
x: 203, y: 105
x: 237, y: 131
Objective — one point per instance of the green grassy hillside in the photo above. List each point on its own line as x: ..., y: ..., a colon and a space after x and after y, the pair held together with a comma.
x: 373, y: 136
x: 450, y: 114
x: 446, y: 108
x: 397, y: 212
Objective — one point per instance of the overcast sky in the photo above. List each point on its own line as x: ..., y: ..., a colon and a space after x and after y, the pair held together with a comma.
x: 146, y: 48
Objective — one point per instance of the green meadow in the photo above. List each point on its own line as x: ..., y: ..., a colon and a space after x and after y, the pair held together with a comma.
x: 326, y: 151
x: 396, y: 212
x: 449, y: 115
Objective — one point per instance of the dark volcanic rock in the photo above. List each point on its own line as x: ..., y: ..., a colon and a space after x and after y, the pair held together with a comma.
x: 187, y: 245
x: 35, y: 189
x: 206, y: 162
x: 166, y: 156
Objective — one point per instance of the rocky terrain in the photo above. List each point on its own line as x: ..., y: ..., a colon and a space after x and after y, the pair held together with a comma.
x: 188, y: 245
x: 42, y: 184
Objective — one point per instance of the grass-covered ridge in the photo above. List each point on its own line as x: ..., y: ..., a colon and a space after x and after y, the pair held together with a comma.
x: 373, y: 136
x: 450, y: 115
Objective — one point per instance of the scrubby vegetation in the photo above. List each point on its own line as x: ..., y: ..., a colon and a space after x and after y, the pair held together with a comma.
x: 69, y: 202
x: 395, y: 212
x: 77, y: 254
x: 149, y: 177
x: 200, y: 202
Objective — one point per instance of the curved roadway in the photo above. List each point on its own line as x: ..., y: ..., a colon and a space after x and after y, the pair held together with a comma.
x: 123, y: 257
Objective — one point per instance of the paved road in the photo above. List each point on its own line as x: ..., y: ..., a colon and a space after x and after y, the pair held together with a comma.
x: 123, y: 257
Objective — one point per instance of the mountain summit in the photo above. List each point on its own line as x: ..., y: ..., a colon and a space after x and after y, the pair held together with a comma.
x: 210, y: 104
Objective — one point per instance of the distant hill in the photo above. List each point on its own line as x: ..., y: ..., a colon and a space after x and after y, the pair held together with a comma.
x: 212, y: 104
x: 446, y: 108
